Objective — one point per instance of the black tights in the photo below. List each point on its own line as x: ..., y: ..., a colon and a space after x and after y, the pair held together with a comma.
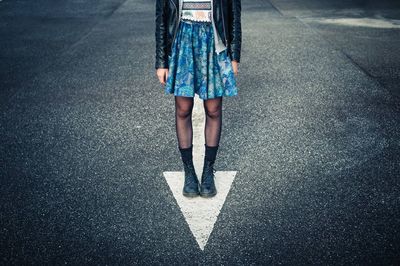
x: 183, y: 121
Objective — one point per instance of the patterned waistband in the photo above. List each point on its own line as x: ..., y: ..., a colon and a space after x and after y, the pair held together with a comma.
x: 195, y: 22
x: 196, y: 5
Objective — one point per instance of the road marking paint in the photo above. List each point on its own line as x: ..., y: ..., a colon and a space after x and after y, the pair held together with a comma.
x: 363, y: 22
x: 198, y: 122
x: 200, y: 213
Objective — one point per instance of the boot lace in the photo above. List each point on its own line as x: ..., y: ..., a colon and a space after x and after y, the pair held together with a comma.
x: 209, y: 173
x: 190, y: 174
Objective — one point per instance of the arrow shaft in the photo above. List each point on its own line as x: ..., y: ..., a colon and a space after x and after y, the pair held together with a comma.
x: 198, y: 123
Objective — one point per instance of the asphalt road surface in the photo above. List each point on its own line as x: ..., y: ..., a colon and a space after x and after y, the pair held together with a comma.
x: 86, y: 133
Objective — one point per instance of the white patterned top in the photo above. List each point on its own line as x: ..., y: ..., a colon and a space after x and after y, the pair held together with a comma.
x: 197, y: 10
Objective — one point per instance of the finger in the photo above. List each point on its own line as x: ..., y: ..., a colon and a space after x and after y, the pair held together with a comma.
x: 165, y: 77
x: 161, y: 79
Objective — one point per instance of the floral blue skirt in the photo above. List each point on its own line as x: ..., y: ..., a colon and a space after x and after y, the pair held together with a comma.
x: 195, y: 67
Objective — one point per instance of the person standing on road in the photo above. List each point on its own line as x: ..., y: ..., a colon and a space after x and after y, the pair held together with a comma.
x: 198, y: 45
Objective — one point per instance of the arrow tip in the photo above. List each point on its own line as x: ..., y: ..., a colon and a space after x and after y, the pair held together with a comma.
x: 201, y: 213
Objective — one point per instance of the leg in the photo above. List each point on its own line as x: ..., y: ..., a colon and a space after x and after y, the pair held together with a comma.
x: 184, y: 132
x: 212, y: 131
x: 183, y: 121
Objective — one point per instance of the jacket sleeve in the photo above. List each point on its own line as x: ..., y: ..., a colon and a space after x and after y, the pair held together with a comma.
x: 235, y: 29
x: 161, y: 31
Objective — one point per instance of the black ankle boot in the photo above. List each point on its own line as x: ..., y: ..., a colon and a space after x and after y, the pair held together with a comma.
x: 207, y: 187
x: 191, y: 186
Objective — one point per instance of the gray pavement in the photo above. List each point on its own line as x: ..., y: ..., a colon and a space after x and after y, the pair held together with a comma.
x: 86, y: 133
x: 373, y: 47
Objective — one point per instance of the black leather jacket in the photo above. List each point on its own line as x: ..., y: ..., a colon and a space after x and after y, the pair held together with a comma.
x: 226, y: 15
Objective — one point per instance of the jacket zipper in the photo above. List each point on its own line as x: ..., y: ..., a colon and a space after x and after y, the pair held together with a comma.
x: 223, y: 25
x: 178, y: 20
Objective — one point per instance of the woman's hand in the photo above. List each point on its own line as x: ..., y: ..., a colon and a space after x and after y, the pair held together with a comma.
x: 235, y: 66
x: 162, y: 74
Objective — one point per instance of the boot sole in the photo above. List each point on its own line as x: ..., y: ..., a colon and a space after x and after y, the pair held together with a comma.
x: 208, y: 195
x: 190, y: 195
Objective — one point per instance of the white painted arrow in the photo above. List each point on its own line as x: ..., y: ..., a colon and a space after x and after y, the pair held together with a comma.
x: 200, y: 213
